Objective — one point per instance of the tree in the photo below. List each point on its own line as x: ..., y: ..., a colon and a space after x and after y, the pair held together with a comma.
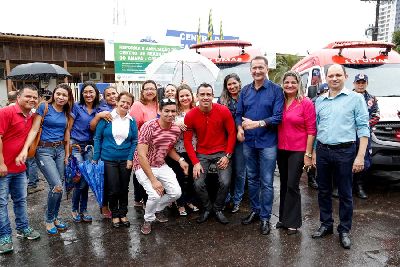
x: 396, y: 40
x: 284, y: 62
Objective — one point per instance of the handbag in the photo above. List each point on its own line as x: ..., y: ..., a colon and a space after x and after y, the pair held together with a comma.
x: 35, y: 143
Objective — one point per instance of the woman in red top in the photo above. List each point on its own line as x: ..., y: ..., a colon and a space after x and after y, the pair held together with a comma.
x: 296, y: 135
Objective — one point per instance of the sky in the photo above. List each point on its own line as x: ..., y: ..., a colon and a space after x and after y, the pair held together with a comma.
x: 283, y: 26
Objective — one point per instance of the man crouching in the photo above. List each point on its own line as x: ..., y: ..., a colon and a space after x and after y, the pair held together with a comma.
x: 156, y: 140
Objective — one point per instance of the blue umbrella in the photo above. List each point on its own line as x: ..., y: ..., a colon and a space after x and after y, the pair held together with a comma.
x: 94, y: 176
x: 72, y: 173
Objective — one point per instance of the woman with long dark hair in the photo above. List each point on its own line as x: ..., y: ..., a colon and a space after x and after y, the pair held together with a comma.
x: 50, y: 153
x: 80, y: 135
x: 229, y: 98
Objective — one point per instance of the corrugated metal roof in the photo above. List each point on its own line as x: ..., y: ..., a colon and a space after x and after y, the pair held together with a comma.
x: 48, y: 38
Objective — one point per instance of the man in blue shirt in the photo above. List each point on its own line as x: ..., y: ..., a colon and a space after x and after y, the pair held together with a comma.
x: 259, y: 111
x: 342, y: 116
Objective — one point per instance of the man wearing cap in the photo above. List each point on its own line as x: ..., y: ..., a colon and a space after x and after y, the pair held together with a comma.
x: 360, y: 86
x: 342, y: 117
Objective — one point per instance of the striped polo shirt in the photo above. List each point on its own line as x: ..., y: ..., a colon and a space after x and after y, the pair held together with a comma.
x: 159, y: 140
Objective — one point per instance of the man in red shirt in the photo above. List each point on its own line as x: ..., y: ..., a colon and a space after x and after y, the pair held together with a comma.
x: 15, y: 124
x: 216, y: 135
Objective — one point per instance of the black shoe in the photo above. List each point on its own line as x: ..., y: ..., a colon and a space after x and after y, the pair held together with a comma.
x: 203, y: 217
x: 220, y: 217
x: 252, y: 217
x: 360, y: 192
x: 265, y: 227
x: 116, y: 224
x: 126, y: 223
x: 335, y: 192
x: 292, y: 231
x: 345, y: 240
x: 312, y: 182
x: 279, y: 225
x: 322, y: 231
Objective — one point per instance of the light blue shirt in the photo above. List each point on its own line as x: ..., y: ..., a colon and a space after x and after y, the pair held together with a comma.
x: 342, y: 118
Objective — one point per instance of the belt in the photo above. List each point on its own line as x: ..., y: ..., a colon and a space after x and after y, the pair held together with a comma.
x: 337, y: 146
x: 51, y: 144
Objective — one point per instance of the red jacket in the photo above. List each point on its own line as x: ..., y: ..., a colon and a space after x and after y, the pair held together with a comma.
x: 215, y: 131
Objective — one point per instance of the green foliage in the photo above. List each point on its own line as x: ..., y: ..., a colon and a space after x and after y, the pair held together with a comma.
x: 284, y: 62
x: 396, y: 40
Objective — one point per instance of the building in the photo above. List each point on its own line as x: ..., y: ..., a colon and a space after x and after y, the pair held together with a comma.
x: 83, y: 58
x: 389, y: 19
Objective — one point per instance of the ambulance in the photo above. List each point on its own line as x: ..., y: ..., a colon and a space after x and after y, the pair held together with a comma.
x: 382, y: 65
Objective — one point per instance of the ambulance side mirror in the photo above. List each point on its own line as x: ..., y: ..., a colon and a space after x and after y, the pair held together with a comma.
x: 312, y: 91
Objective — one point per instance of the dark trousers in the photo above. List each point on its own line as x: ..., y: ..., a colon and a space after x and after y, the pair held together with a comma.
x: 335, y: 164
x: 290, y: 164
x: 185, y: 181
x: 224, y: 179
x: 117, y: 176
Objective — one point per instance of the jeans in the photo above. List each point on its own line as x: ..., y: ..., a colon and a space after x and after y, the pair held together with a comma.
x: 15, y: 185
x: 117, y: 177
x: 224, y: 179
x: 80, y: 194
x: 239, y: 174
x: 335, y: 164
x: 32, y: 172
x: 260, y: 167
x: 155, y: 202
x: 51, y: 163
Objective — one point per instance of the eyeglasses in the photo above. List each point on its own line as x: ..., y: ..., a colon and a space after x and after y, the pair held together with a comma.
x: 168, y: 101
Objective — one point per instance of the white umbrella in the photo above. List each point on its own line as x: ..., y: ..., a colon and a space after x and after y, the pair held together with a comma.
x: 183, y: 65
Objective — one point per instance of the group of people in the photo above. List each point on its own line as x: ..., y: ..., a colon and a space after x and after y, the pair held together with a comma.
x: 166, y: 145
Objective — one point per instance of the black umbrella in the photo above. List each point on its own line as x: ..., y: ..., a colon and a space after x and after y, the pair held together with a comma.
x: 37, y: 71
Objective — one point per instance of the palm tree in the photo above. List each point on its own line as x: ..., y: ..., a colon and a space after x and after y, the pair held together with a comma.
x: 284, y: 62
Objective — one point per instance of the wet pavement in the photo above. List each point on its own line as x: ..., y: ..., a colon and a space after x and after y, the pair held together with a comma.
x: 183, y: 242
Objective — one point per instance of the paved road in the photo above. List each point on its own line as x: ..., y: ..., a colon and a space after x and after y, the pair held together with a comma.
x: 182, y: 242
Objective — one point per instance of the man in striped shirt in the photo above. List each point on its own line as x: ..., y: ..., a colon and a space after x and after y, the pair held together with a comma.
x: 156, y: 140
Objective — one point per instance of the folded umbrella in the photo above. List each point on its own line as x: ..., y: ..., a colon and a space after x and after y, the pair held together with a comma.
x: 72, y: 173
x: 94, y: 175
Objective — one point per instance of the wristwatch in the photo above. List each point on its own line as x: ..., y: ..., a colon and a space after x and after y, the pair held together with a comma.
x: 308, y: 155
x: 261, y: 123
x: 181, y: 159
x: 228, y: 155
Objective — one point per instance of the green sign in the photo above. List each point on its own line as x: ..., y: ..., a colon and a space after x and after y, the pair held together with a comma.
x: 131, y: 60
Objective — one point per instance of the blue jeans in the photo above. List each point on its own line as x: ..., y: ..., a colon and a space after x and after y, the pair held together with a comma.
x: 239, y: 174
x: 32, y: 172
x: 335, y: 164
x: 260, y: 167
x: 80, y: 195
x: 15, y: 185
x: 51, y: 163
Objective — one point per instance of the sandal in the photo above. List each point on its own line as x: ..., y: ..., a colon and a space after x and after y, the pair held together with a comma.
x: 182, y: 211
x: 193, y: 207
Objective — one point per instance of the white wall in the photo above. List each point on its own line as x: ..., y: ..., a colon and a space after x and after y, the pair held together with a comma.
x: 3, y: 93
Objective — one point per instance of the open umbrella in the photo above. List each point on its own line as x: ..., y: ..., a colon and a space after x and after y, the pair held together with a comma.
x: 183, y: 65
x: 37, y: 71
x: 94, y: 176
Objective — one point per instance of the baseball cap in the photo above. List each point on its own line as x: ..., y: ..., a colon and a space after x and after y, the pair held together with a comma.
x: 323, y: 87
x: 360, y: 77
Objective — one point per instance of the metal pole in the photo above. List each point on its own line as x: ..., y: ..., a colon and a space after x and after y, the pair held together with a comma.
x: 375, y: 32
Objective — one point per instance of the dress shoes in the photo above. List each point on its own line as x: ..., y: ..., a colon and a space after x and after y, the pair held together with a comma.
x: 345, y: 240
x: 322, y: 231
x: 360, y: 192
x: 265, y: 227
x: 279, y: 225
x: 116, y: 224
x: 126, y: 223
x: 203, y: 217
x: 292, y: 231
x: 220, y: 217
x: 252, y: 217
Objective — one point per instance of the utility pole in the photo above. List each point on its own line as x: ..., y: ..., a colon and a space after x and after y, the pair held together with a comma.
x: 375, y: 28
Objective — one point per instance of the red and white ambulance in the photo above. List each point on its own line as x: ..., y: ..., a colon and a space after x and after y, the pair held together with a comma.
x: 382, y: 65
